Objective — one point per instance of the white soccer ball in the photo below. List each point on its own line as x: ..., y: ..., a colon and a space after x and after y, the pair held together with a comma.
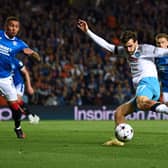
x: 124, y: 132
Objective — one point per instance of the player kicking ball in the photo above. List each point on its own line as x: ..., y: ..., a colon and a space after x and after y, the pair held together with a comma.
x: 143, y: 70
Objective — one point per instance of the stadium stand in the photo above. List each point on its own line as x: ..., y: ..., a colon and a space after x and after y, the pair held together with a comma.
x: 74, y: 70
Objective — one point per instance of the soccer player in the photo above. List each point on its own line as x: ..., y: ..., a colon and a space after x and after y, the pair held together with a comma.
x: 20, y: 70
x: 144, y: 74
x: 10, y: 46
x: 162, y: 65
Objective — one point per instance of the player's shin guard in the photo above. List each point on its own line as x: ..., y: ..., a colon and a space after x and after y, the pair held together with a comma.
x: 16, y: 114
x: 160, y: 108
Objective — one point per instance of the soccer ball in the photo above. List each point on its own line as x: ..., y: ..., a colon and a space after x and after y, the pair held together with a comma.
x: 124, y: 132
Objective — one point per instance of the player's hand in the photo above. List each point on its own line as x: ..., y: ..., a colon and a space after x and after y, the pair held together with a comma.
x: 36, y: 56
x: 81, y: 24
x: 32, y: 53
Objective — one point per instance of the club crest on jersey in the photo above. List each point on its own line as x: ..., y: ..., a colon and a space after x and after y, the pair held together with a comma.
x: 14, y: 43
x: 137, y: 54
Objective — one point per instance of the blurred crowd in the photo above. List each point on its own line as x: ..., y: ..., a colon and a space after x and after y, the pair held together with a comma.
x: 74, y: 70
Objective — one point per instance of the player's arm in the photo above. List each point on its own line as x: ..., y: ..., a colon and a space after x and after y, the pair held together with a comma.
x: 82, y: 25
x: 34, y: 54
x: 153, y: 51
x: 160, y: 52
x: 29, y: 87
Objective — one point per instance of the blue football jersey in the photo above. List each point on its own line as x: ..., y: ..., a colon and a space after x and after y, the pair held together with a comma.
x: 162, y: 66
x: 9, y: 48
x: 17, y: 65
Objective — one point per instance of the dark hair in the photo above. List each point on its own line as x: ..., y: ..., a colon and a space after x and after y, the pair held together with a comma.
x: 127, y: 35
x: 8, y: 19
x: 161, y: 35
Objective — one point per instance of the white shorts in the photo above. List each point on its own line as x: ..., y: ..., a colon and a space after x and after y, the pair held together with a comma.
x: 20, y: 89
x: 165, y: 97
x: 8, y: 89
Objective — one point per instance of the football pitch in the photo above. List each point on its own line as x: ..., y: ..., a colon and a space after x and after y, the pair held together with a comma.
x: 78, y: 144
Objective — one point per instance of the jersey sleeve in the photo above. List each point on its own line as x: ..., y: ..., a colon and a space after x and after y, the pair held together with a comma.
x: 23, y: 45
x: 18, y: 63
x: 153, y: 51
x: 100, y: 41
x: 160, y: 52
x: 21, y: 65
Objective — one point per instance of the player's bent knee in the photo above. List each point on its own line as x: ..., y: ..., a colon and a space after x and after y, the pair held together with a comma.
x: 14, y: 106
x: 143, y: 103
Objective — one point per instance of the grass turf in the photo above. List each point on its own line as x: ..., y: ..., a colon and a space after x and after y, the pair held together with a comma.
x: 77, y: 144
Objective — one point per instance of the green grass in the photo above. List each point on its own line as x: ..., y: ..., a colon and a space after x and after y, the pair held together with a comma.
x: 77, y: 144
